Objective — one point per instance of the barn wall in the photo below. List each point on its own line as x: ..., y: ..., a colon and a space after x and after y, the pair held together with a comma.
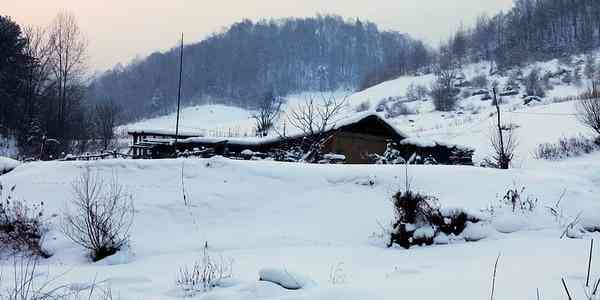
x: 356, y: 146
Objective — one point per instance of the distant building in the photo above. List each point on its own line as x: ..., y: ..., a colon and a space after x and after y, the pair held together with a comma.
x: 353, y: 139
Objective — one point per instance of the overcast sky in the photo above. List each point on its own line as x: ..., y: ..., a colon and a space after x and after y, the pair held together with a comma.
x: 119, y: 30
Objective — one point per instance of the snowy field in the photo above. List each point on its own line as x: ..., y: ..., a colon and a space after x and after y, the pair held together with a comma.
x: 309, y: 218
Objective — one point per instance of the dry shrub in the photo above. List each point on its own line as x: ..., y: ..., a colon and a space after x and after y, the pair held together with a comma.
x: 101, y: 215
x: 567, y: 147
x: 28, y: 283
x: 21, y: 225
x: 204, y: 275
x: 504, y: 144
x: 588, y: 108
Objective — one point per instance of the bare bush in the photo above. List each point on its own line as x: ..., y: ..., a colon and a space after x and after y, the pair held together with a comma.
x: 443, y: 90
x: 101, y: 217
x: 269, y: 109
x: 21, y: 225
x: 315, y: 116
x: 105, y: 120
x: 504, y: 144
x: 567, y: 147
x: 28, y: 283
x: 518, y: 200
x: 204, y: 275
x: 588, y: 108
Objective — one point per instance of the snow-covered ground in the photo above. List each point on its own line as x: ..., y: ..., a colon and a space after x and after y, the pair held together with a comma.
x: 309, y: 218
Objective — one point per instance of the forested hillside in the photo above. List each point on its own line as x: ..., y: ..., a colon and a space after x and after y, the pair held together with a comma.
x: 249, y: 59
x: 532, y: 30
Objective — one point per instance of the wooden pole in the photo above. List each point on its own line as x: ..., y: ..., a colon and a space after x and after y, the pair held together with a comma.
x: 179, y: 92
x: 503, y: 159
x: 587, y: 281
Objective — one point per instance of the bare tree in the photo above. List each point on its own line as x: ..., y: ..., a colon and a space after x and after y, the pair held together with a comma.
x: 315, y: 116
x: 68, y: 60
x: 588, y: 108
x: 504, y: 144
x: 102, y: 216
x: 269, y: 109
x: 105, y: 116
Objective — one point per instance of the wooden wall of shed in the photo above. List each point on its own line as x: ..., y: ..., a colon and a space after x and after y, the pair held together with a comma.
x: 355, y: 146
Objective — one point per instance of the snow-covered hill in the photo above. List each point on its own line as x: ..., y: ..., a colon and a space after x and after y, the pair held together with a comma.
x: 469, y: 124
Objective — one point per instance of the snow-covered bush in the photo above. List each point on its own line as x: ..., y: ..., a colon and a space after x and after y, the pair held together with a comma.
x: 363, y: 106
x: 419, y: 220
x: 416, y: 92
x: 100, y: 215
x: 534, y: 83
x: 205, y: 274
x: 398, y: 109
x: 567, y: 147
x: 391, y: 156
x: 21, y: 225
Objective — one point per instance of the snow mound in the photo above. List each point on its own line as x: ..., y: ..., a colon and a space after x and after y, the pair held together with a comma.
x: 475, y: 232
x: 285, y: 278
x: 7, y: 164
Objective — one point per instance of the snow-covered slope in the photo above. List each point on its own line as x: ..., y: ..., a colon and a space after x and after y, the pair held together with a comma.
x: 204, y: 119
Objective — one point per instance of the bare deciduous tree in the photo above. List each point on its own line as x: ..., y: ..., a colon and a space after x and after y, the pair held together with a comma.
x: 68, y: 60
x: 313, y: 117
x: 105, y: 116
x: 102, y: 215
x: 269, y: 109
x: 588, y: 108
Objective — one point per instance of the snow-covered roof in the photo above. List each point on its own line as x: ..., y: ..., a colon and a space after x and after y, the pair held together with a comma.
x: 253, y: 141
x: 426, y: 142
x: 165, y: 132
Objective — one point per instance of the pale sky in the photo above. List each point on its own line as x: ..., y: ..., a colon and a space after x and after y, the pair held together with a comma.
x: 119, y: 30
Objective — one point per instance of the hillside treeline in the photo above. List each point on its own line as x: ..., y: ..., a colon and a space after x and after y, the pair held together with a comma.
x: 532, y: 30
x: 239, y: 65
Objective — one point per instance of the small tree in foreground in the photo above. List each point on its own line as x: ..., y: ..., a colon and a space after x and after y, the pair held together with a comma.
x: 101, y: 217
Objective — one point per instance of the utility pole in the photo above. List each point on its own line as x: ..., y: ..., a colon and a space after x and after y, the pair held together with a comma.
x: 179, y: 93
x: 503, y: 159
